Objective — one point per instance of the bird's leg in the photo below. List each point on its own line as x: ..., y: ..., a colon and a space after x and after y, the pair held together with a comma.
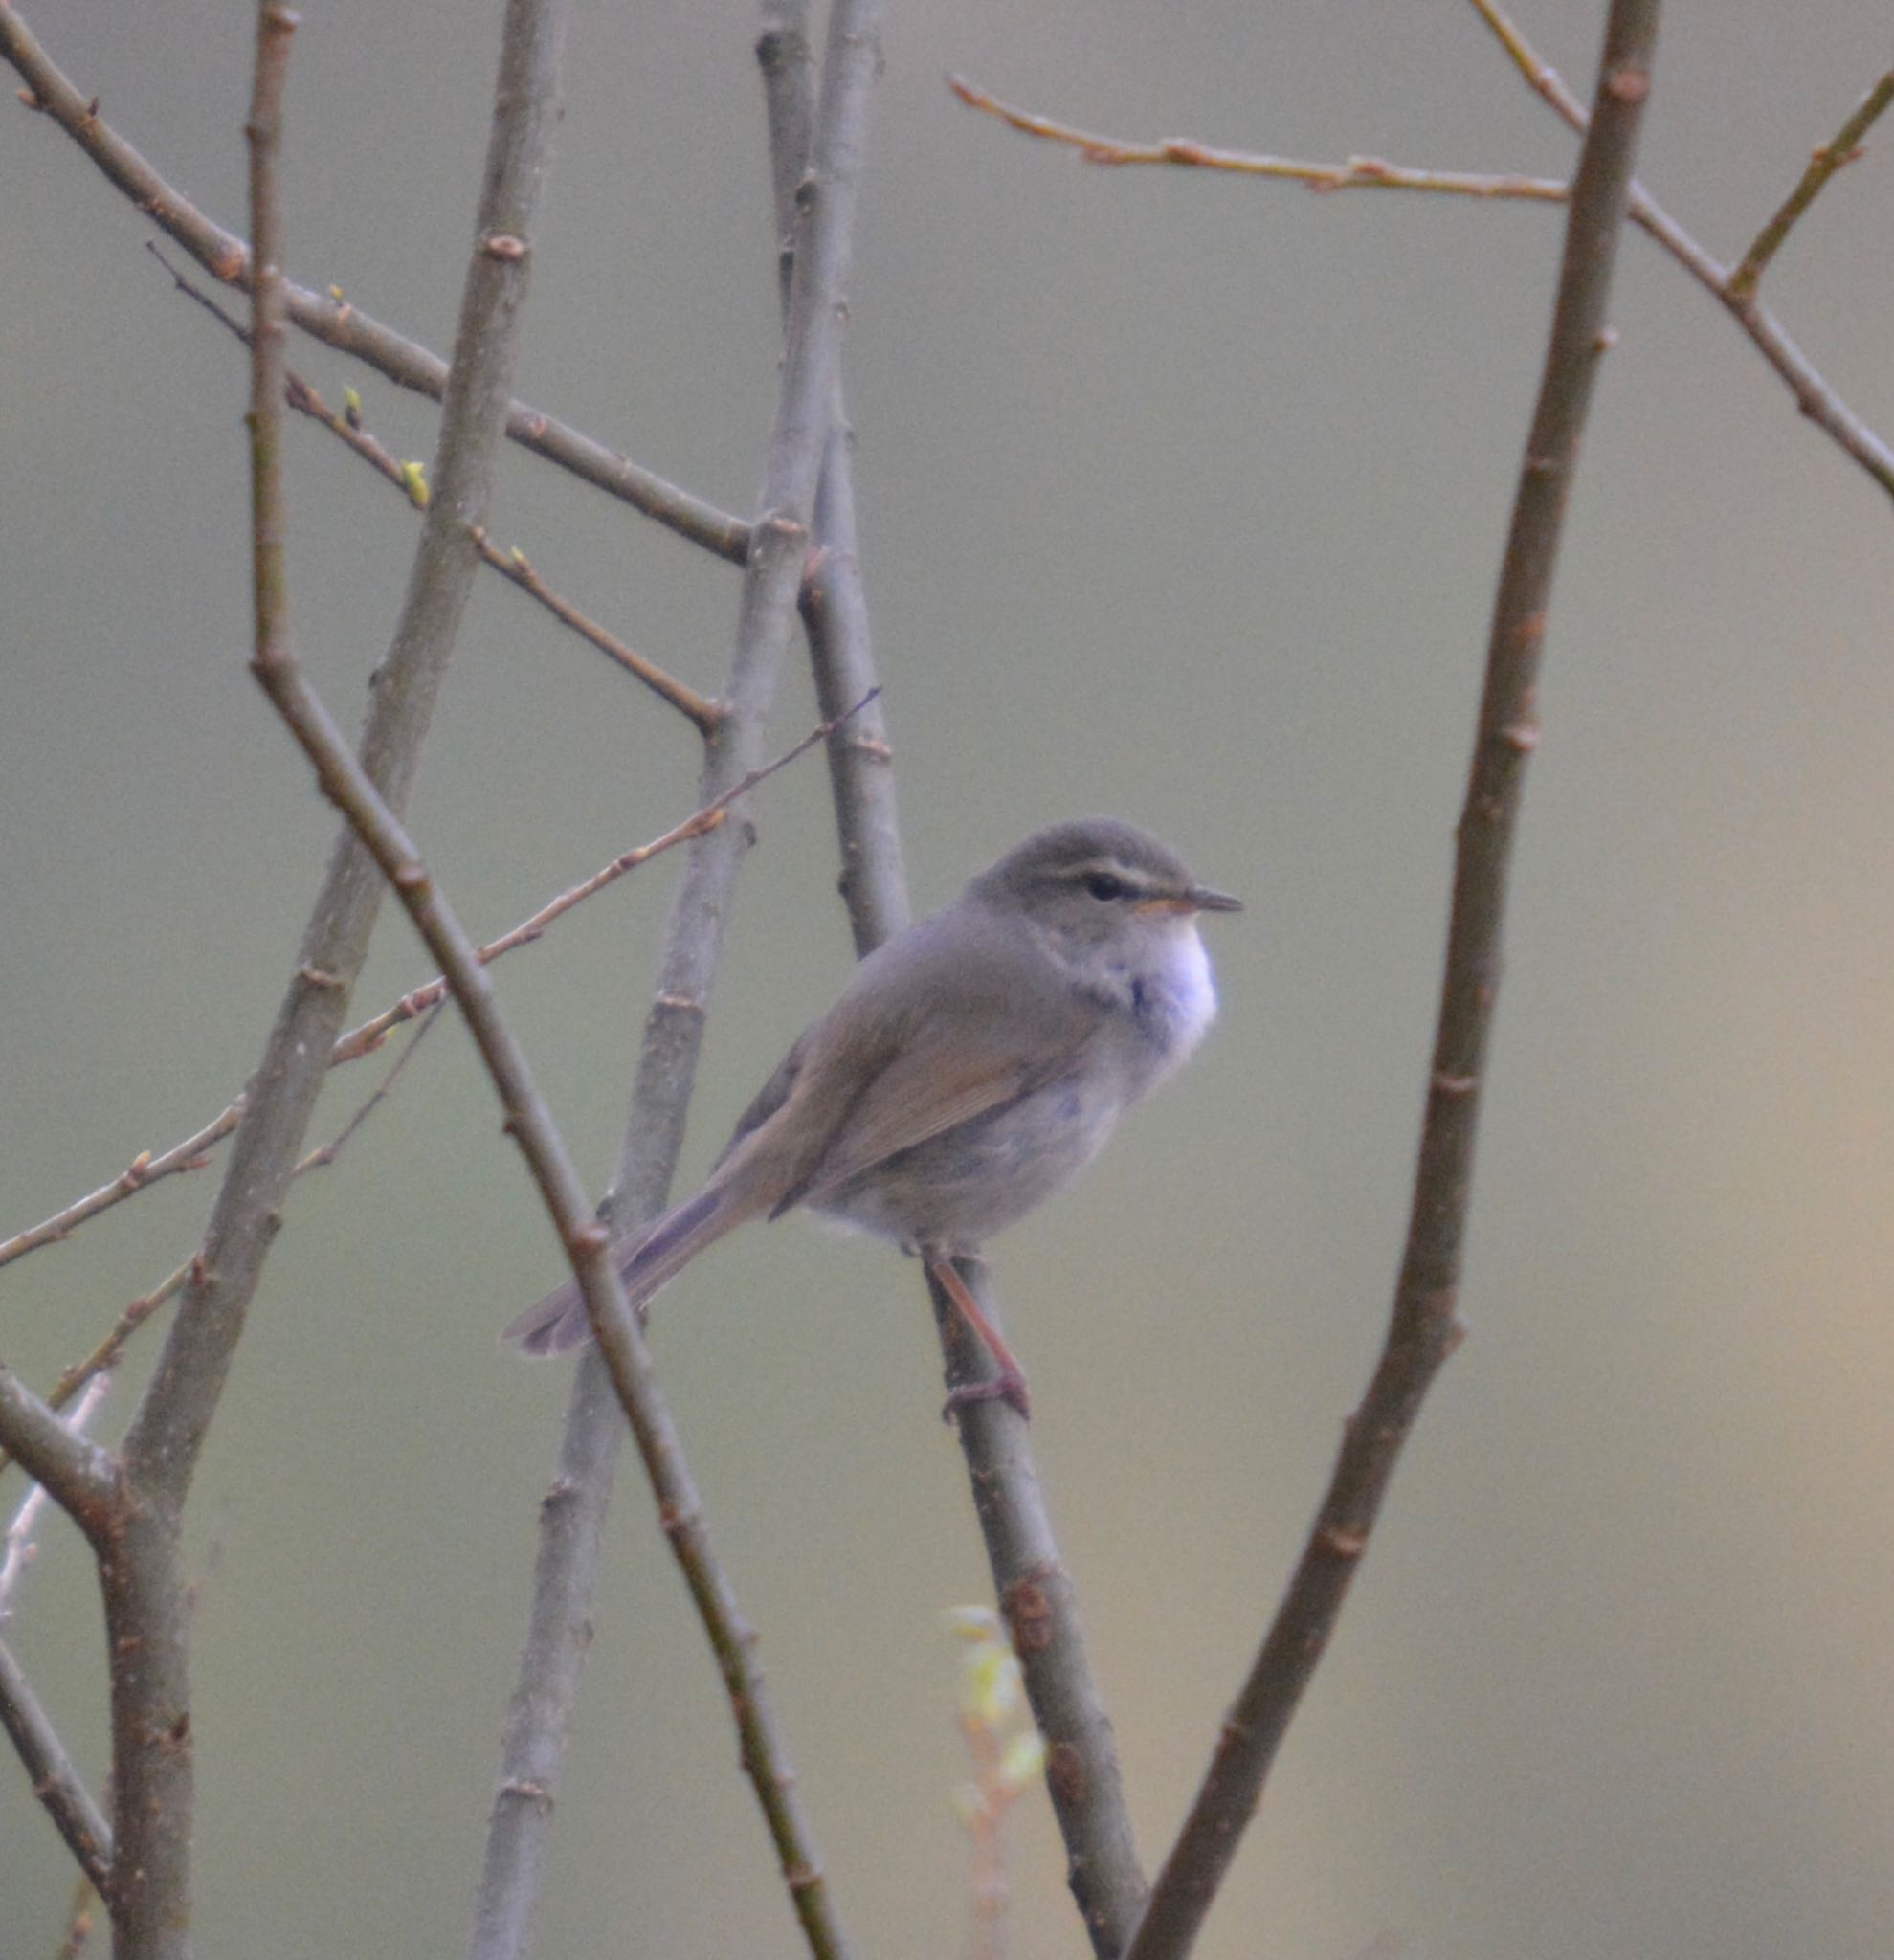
x: 1009, y: 1385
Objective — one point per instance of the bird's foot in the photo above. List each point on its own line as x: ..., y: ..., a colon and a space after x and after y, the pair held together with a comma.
x: 1008, y: 1387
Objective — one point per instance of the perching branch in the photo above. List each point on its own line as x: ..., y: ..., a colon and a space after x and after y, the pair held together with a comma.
x: 340, y: 324
x: 1423, y: 1327
x: 1030, y: 1580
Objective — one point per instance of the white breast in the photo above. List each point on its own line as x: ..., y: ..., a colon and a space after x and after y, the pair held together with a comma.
x: 1190, y: 991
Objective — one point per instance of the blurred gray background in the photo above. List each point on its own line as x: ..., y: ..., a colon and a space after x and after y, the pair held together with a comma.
x: 1183, y: 498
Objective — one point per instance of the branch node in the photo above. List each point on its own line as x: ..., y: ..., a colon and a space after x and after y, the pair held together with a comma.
x: 1029, y: 1611
x: 1628, y: 86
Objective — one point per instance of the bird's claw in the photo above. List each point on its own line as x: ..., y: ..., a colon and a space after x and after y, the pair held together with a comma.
x: 1008, y: 1388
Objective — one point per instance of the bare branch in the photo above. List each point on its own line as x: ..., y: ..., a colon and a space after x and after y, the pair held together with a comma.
x: 338, y: 322
x: 835, y: 606
x: 1356, y: 173
x: 511, y: 565
x: 192, y: 1153
x: 146, y: 1598
x: 144, y: 1170
x: 566, y: 1572
x: 1814, y: 396
x: 1030, y: 1580
x: 1423, y: 1327
x: 1841, y: 149
x: 527, y: 1120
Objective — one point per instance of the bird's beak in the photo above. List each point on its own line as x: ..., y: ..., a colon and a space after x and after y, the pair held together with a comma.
x: 1192, y: 900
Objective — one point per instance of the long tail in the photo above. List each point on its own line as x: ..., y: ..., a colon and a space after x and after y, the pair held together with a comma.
x: 647, y: 1259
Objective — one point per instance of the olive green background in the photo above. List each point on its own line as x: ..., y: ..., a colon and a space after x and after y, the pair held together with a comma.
x: 1183, y: 498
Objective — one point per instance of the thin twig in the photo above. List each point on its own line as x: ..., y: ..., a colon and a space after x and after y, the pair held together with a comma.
x: 144, y: 1170
x: 1355, y: 174
x: 106, y: 1354
x: 50, y: 1770
x: 193, y: 1152
x: 337, y: 321
x: 1814, y: 396
x: 1423, y: 1326
x: 326, y: 1154
x: 1836, y: 153
x: 91, y: 1369
x: 511, y: 565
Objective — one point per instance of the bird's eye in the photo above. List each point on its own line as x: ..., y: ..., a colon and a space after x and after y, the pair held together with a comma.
x: 1105, y: 887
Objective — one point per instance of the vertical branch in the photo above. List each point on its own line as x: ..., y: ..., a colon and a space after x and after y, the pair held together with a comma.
x: 816, y: 273
x: 1030, y: 1579
x: 1423, y: 1327
x: 144, y: 1589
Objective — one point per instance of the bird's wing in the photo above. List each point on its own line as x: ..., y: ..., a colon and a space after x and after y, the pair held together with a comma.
x: 939, y: 1027
x: 920, y: 1094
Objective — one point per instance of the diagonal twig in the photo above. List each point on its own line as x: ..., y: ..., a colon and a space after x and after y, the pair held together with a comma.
x: 512, y: 566
x: 1423, y: 1326
x: 338, y: 322
x: 50, y: 1770
x: 1841, y: 149
x: 191, y: 1152
x: 1355, y: 174
x: 1814, y: 396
